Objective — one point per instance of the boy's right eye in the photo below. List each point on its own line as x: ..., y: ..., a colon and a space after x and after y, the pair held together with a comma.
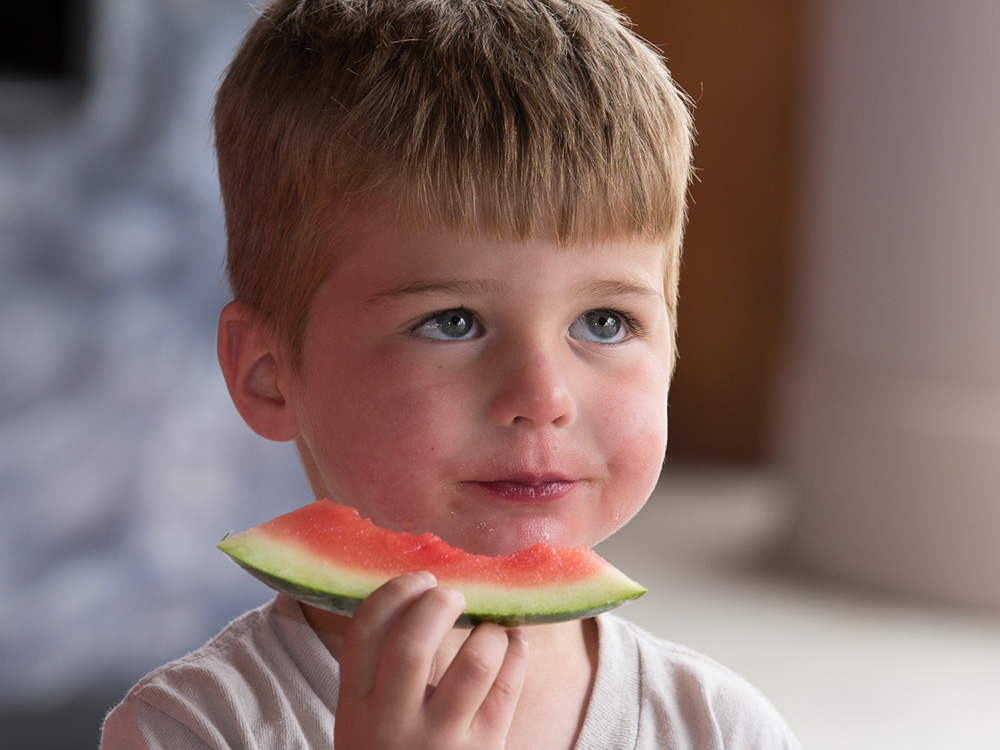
x: 449, y: 325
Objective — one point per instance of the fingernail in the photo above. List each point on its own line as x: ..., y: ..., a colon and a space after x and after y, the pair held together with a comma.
x: 518, y: 634
x: 426, y: 578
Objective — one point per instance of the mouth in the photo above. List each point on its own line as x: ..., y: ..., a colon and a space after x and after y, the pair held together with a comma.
x: 528, y: 489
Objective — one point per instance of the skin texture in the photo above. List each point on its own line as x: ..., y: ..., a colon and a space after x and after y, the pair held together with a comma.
x: 497, y: 394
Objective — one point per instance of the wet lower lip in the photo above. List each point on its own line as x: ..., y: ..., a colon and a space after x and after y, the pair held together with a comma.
x: 528, y: 492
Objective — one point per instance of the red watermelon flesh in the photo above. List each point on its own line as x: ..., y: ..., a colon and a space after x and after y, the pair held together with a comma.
x: 326, y: 555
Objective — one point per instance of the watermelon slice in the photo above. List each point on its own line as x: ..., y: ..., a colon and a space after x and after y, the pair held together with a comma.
x: 326, y: 555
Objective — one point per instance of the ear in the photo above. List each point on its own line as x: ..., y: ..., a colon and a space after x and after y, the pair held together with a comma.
x: 256, y: 372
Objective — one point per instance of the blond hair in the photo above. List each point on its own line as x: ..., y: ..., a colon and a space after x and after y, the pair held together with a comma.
x: 499, y: 116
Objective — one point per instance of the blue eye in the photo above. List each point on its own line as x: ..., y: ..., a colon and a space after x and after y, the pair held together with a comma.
x: 450, y: 325
x: 600, y: 326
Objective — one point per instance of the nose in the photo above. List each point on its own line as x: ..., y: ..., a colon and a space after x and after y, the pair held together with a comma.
x: 532, y: 387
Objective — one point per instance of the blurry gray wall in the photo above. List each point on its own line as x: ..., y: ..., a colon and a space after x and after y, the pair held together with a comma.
x: 893, y: 386
x: 122, y: 461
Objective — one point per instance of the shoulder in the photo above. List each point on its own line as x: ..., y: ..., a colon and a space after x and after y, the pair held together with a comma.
x: 681, y: 690
x: 212, y: 696
x: 226, y: 660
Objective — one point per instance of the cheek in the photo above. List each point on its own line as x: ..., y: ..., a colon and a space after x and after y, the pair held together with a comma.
x: 379, y: 435
x: 638, y: 439
x: 406, y: 409
x: 635, y: 434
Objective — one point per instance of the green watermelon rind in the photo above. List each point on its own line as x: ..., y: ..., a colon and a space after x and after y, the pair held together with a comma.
x: 342, y: 604
x: 334, y: 588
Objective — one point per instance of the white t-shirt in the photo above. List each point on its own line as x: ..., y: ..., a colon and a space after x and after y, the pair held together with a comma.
x: 266, y: 681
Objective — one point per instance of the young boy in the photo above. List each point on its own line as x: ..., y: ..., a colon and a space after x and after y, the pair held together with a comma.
x: 454, y: 229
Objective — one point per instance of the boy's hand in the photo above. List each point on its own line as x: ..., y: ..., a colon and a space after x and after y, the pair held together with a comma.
x: 387, y: 660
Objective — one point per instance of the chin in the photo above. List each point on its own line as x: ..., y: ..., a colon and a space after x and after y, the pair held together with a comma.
x: 512, y: 535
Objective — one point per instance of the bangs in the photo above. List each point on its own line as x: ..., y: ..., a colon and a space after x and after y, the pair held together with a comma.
x: 502, y: 117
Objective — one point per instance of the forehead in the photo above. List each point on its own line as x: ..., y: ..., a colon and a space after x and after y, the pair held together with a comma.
x: 399, y: 239
x: 400, y: 266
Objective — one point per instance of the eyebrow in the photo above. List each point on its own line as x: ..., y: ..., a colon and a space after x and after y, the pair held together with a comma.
x: 460, y: 287
x: 475, y: 287
x: 618, y: 288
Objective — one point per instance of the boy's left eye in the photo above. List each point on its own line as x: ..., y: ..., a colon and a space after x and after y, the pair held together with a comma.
x: 600, y: 326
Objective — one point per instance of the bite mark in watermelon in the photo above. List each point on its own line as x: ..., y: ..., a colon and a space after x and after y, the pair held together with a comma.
x: 326, y: 555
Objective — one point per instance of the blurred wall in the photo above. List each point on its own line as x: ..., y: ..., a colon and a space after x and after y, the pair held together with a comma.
x: 893, y: 381
x: 122, y: 461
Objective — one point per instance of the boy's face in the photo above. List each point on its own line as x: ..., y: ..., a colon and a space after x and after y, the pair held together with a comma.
x: 494, y: 393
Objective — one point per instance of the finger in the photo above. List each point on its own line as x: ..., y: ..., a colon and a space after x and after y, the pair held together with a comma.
x: 497, y: 712
x: 410, y: 649
x: 468, y: 679
x: 365, y: 637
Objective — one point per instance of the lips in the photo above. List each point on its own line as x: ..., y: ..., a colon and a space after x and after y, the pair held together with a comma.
x: 528, y: 489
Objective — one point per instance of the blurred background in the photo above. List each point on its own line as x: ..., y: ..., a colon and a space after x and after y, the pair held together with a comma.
x: 828, y: 520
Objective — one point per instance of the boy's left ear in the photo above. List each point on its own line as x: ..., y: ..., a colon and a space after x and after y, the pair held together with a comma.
x: 256, y: 373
